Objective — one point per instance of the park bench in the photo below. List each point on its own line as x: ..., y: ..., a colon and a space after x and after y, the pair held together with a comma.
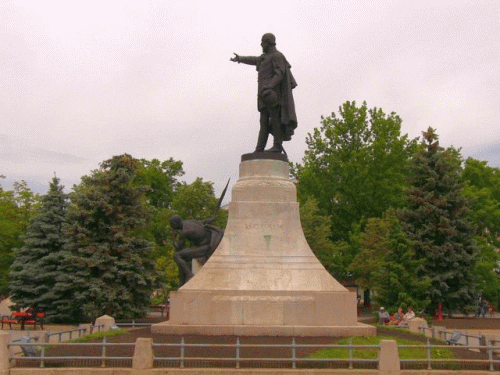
x: 455, y: 336
x: 23, y: 318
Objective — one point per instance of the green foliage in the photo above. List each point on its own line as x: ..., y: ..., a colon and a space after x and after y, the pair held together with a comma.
x: 167, y: 196
x: 369, y: 353
x: 436, y: 220
x: 100, y: 335
x: 162, y: 180
x: 16, y: 208
x: 37, y: 264
x: 487, y: 278
x: 344, y: 253
x: 355, y: 166
x: 373, y: 247
x: 316, y: 228
x: 397, y: 281
x: 109, y: 266
x: 195, y: 201
x: 483, y: 189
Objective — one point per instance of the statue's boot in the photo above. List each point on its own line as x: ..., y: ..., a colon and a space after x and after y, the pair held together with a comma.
x: 277, y: 147
x: 278, y: 138
x: 262, y: 140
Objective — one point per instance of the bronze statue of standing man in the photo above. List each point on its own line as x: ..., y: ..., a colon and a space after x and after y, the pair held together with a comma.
x: 274, y: 95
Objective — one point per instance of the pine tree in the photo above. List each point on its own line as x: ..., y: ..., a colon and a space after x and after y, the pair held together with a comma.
x: 436, y: 220
x: 110, y: 268
x: 37, y: 264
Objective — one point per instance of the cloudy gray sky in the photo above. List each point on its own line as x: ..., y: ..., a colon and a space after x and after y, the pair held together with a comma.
x: 82, y: 81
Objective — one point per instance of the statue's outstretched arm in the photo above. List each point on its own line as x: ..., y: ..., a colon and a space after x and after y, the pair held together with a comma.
x: 250, y: 60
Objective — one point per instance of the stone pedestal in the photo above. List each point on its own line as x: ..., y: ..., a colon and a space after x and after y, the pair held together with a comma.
x: 263, y: 279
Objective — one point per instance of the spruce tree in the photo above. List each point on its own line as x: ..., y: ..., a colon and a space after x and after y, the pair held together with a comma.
x: 435, y: 219
x: 110, y: 267
x: 37, y: 264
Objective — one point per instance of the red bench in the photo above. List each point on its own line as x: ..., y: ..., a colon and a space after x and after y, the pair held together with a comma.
x: 23, y: 318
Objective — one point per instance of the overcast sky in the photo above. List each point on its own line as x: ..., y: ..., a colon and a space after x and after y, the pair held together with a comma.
x: 82, y: 81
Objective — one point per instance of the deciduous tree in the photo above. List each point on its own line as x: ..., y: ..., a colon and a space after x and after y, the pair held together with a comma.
x: 396, y: 279
x: 355, y: 166
x: 16, y: 208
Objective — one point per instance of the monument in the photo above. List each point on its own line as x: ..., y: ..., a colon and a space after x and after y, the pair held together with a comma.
x: 202, y: 236
x: 274, y: 94
x: 263, y: 279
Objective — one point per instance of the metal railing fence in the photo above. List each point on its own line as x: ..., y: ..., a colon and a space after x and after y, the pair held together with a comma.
x: 80, y: 331
x: 187, y: 355
x: 237, y: 360
x: 444, y: 334
x: 132, y: 324
x: 429, y: 363
x: 88, y: 355
x: 182, y: 359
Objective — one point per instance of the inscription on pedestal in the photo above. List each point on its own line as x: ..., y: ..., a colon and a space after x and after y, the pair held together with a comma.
x: 263, y: 298
x: 270, y: 226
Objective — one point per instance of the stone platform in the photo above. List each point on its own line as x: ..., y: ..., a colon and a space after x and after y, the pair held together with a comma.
x: 263, y: 279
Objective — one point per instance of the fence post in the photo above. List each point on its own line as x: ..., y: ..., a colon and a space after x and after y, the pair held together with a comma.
x: 350, y: 353
x: 482, y: 342
x: 103, y: 363
x: 181, y: 365
x: 294, y: 364
x: 429, y: 354
x: 4, y: 353
x: 42, y: 356
x: 388, y: 362
x: 237, y: 352
x: 143, y: 354
x: 490, y: 355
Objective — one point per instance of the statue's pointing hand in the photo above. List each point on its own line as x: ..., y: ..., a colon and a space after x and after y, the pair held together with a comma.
x: 236, y: 58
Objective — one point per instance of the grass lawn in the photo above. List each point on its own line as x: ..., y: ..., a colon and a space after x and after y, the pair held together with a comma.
x: 369, y: 353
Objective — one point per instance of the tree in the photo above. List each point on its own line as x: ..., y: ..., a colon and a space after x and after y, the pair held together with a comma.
x: 373, y: 247
x: 162, y: 180
x: 436, y: 220
x: 37, y: 263
x: 316, y: 228
x: 355, y: 166
x: 482, y: 188
x: 109, y: 266
x: 16, y: 208
x: 197, y: 201
x: 10, y: 230
x: 167, y: 196
x: 487, y: 271
x: 396, y: 280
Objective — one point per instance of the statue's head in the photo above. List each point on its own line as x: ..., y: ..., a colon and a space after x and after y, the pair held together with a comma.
x: 176, y: 222
x: 268, y: 40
